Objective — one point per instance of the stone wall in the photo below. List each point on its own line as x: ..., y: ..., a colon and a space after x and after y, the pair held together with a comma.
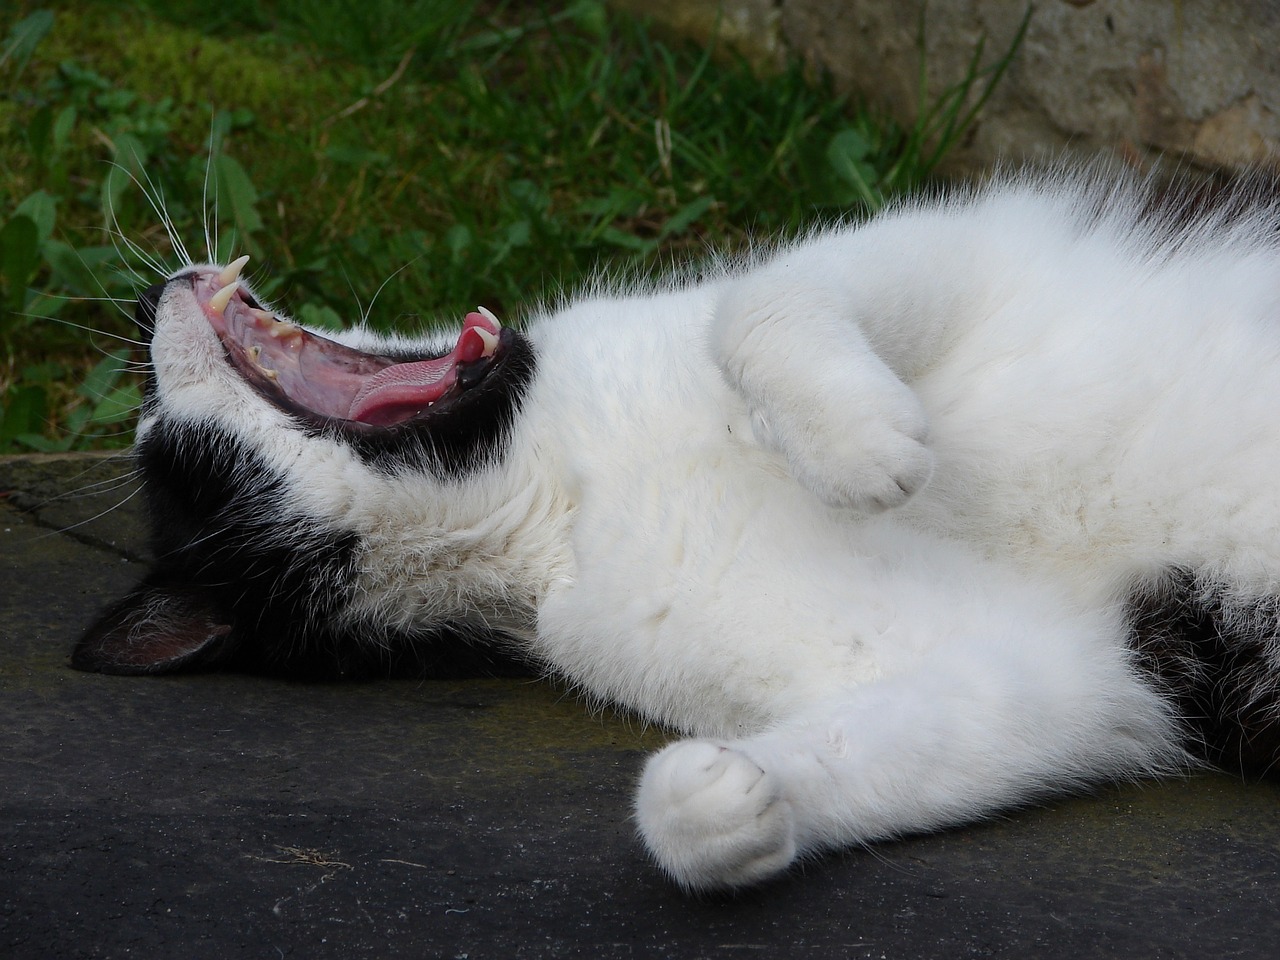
x: 1196, y: 79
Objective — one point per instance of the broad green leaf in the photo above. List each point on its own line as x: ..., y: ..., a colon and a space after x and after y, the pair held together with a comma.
x: 42, y: 208
x: 62, y: 128
x: 628, y: 241
x: 124, y: 174
x: 103, y: 376
x: 118, y: 406
x: 39, y: 133
x: 847, y: 153
x: 45, y: 372
x: 19, y: 257
x: 24, y: 38
x: 79, y: 268
x: 42, y: 444
x: 590, y: 16
x: 458, y: 241
x: 237, y: 191
x: 685, y: 217
x: 24, y: 411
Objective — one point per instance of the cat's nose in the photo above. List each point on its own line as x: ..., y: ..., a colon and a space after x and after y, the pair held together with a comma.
x: 145, y: 312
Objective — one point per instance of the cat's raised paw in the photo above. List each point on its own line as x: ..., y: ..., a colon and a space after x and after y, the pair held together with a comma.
x: 872, y: 457
x: 878, y: 470
x: 712, y: 818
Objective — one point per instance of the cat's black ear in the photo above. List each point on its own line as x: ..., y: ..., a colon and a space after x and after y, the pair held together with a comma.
x: 156, y: 628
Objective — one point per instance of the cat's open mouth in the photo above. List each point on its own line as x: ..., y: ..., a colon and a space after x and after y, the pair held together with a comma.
x: 315, y: 375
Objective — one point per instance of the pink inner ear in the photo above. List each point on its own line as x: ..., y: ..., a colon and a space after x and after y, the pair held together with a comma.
x: 152, y: 630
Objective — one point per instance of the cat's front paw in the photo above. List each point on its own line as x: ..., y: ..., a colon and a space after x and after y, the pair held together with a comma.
x: 712, y: 818
x: 871, y: 455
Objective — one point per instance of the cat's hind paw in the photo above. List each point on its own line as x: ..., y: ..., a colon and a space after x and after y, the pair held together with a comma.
x: 712, y: 818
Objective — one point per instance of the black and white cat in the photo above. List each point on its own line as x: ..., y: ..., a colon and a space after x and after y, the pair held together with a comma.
x: 903, y: 524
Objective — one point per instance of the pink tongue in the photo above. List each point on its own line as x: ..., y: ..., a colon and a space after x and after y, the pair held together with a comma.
x: 405, y: 389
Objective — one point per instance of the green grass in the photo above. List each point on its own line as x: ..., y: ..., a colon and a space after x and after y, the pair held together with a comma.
x: 436, y: 154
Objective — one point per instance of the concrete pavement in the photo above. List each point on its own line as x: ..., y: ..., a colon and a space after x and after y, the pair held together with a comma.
x: 234, y: 816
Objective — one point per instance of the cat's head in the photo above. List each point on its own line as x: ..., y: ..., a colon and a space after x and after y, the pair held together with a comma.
x: 305, y: 494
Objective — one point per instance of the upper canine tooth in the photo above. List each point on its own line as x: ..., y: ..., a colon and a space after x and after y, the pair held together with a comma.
x: 486, y: 312
x: 220, y: 299
x: 231, y: 272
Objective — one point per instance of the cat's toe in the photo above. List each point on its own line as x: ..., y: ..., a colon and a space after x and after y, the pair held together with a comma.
x: 865, y: 447
x: 870, y: 475
x: 712, y: 818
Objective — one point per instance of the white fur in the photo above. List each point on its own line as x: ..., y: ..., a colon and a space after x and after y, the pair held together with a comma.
x: 858, y: 518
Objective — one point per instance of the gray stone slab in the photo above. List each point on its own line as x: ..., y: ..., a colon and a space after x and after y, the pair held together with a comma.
x: 234, y: 816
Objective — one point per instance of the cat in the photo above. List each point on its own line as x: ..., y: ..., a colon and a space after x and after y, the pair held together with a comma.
x: 900, y: 524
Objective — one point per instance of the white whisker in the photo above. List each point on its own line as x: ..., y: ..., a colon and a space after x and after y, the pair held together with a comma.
x: 210, y: 241
x: 153, y: 263
x: 364, y: 313
x: 154, y: 196
x: 131, y: 341
x: 95, y: 489
x: 97, y: 516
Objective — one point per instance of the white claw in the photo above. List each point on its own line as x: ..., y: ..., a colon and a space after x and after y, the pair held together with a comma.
x: 490, y: 341
x: 231, y: 272
x: 220, y: 299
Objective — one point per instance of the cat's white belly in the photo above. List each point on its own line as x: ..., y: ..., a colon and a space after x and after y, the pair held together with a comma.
x: 1105, y: 468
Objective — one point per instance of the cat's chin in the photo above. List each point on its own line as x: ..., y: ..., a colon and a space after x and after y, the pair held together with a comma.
x: 324, y: 382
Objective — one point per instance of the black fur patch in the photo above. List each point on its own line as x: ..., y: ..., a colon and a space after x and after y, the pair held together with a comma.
x: 219, y: 524
x: 1212, y: 658
x: 225, y: 542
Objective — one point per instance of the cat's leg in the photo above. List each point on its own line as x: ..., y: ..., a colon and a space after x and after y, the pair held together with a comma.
x: 823, y: 339
x: 849, y: 428
x: 953, y: 741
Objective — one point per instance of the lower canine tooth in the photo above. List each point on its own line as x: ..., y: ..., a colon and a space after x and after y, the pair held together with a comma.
x: 220, y: 299
x: 490, y: 341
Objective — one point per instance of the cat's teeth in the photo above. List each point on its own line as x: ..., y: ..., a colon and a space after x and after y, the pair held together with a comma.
x: 490, y: 341
x: 220, y: 299
x: 231, y: 272
x: 284, y: 330
x: 487, y: 313
x: 255, y: 354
